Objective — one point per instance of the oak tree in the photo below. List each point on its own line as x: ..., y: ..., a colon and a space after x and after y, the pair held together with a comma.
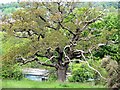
x: 57, y: 31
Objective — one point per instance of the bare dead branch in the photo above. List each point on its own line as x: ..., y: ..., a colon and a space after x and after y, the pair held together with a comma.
x: 90, y: 67
x: 95, y: 70
x: 67, y: 58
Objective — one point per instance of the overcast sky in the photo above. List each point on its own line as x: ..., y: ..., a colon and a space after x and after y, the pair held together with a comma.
x: 8, y: 1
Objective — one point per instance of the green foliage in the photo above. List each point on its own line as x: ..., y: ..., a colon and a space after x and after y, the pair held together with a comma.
x: 113, y: 21
x: 112, y: 50
x: 102, y: 31
x: 12, y: 72
x: 110, y: 21
x: 52, y: 75
x: 112, y: 67
x: 28, y: 20
x: 96, y: 63
x: 12, y: 43
x: 54, y: 39
x: 10, y: 48
x: 81, y: 73
x: 110, y: 31
x: 9, y: 8
x: 111, y: 28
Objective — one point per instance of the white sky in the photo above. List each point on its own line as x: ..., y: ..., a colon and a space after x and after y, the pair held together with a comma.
x: 8, y: 1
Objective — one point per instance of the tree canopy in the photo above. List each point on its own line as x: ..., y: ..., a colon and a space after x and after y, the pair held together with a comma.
x: 61, y: 32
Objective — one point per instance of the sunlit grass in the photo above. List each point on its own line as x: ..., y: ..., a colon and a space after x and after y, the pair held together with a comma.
x: 46, y: 84
x: 0, y: 84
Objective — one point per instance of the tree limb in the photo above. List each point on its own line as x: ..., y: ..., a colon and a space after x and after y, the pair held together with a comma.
x: 90, y: 67
x: 45, y: 64
x: 42, y: 18
x: 90, y: 21
x: 51, y: 27
x: 59, y: 7
x: 25, y: 61
x: 66, y: 28
x: 95, y: 70
x: 94, y: 19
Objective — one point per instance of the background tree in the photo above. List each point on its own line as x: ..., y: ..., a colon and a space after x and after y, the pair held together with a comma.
x: 112, y: 67
x: 110, y: 25
x: 10, y: 47
x: 57, y: 31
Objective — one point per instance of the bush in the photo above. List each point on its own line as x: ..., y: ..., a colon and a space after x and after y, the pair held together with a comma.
x: 81, y: 72
x: 11, y: 71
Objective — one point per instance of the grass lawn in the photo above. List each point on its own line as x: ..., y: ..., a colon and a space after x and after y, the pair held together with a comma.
x: 46, y: 84
x: 0, y: 84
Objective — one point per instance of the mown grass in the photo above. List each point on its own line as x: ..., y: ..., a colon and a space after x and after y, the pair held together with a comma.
x: 46, y: 84
x: 0, y: 84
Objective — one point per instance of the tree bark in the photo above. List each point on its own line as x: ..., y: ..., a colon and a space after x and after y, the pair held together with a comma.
x: 61, y: 73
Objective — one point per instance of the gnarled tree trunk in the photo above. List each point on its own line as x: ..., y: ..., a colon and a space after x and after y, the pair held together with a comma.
x: 61, y: 73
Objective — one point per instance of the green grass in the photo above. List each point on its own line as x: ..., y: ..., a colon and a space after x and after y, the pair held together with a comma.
x: 47, y: 84
x: 0, y: 84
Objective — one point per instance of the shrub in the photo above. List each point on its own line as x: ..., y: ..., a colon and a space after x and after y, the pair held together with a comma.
x: 10, y: 69
x: 81, y: 72
x: 12, y: 72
